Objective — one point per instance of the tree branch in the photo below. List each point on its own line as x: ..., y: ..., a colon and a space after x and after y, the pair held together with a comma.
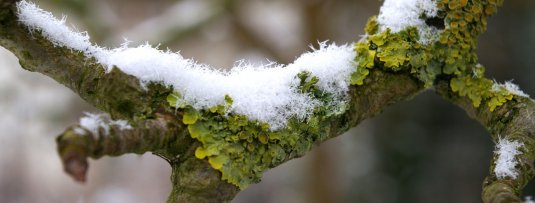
x: 159, y: 128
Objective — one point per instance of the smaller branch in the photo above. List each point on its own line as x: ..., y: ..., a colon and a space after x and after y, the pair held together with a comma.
x: 158, y: 135
x: 512, y: 121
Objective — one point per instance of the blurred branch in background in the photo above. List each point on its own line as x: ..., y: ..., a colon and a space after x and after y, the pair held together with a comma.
x: 181, y: 19
x: 410, y: 161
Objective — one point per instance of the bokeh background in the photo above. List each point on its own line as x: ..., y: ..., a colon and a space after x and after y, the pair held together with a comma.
x: 425, y: 150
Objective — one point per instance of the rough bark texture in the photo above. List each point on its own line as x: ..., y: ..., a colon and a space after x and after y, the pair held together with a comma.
x: 158, y: 128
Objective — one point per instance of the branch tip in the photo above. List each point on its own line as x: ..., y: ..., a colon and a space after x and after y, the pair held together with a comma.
x: 76, y: 167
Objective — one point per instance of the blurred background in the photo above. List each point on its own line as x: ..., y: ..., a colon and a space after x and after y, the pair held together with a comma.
x: 425, y: 150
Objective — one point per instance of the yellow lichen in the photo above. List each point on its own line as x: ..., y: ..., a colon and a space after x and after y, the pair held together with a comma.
x: 243, y: 149
x: 452, y: 54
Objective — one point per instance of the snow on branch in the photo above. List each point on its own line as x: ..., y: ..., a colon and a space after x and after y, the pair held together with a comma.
x: 267, y: 93
x: 511, y: 87
x: 95, y: 122
x: 397, y: 15
x: 506, y: 162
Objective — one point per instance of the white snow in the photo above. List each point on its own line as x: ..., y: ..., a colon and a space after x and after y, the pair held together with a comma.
x: 511, y: 87
x: 121, y: 124
x: 55, y: 30
x: 266, y: 93
x: 79, y: 131
x: 400, y: 14
x: 529, y: 199
x: 95, y: 122
x: 506, y: 162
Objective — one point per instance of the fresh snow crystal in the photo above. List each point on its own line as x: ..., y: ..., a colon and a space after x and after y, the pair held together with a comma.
x: 400, y: 14
x: 506, y: 162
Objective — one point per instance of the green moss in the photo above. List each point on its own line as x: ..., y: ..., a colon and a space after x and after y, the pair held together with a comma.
x: 243, y: 149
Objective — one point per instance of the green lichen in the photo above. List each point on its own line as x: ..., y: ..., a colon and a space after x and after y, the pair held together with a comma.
x: 479, y: 89
x: 242, y: 149
x: 392, y: 49
x: 464, y: 22
x: 453, y: 55
x: 393, y: 52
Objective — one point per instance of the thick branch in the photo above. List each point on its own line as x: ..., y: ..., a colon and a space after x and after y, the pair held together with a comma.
x: 163, y: 132
x: 157, y: 127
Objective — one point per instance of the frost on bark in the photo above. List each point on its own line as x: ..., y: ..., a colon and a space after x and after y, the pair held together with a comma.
x: 393, y: 65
